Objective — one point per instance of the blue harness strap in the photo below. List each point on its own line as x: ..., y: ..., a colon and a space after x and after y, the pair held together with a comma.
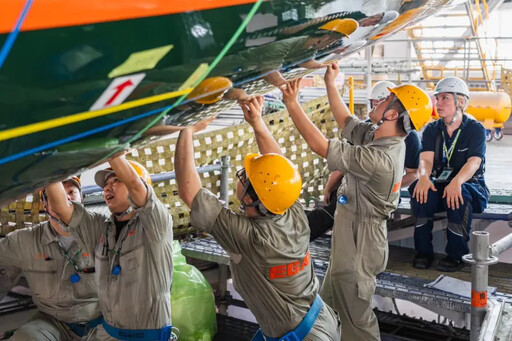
x: 82, y: 328
x: 302, y: 330
x: 164, y: 334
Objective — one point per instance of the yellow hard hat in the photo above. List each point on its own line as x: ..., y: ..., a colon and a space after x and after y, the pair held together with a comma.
x: 274, y: 179
x: 344, y: 26
x: 404, y: 19
x: 210, y: 90
x: 417, y: 103
x: 101, y: 176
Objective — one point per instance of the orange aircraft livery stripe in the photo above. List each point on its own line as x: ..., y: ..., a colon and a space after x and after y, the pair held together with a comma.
x: 46, y: 14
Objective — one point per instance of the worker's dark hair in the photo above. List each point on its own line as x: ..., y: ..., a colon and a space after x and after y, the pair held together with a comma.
x: 399, y: 107
x: 261, y: 209
x: 251, y: 192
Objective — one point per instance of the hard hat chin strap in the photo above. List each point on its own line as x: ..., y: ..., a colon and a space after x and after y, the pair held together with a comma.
x: 407, y: 121
x: 263, y: 210
x: 456, y: 100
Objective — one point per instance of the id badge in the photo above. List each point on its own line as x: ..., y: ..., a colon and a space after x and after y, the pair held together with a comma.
x: 445, y: 174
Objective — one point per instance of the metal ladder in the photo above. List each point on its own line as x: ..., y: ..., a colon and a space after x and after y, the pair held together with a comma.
x: 459, y: 47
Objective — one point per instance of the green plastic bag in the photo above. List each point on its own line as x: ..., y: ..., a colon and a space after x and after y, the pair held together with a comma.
x: 192, y: 301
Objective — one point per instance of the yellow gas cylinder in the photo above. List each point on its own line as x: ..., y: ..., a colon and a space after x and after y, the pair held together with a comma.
x: 490, y: 108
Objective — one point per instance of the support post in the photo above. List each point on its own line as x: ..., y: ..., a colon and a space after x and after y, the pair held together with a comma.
x: 480, y: 262
x: 368, y: 75
x: 222, y: 288
x: 224, y: 179
x: 351, y: 95
x: 479, y: 280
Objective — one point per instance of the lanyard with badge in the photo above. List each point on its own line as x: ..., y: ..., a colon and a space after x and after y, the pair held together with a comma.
x: 74, y: 278
x: 116, y: 270
x: 447, y: 154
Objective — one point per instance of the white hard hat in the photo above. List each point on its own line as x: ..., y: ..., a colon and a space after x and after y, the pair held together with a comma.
x: 452, y: 85
x: 388, y: 17
x: 380, y: 89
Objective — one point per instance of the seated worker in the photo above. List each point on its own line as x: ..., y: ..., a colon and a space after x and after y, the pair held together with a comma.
x: 322, y: 219
x: 60, y: 275
x: 132, y: 251
x: 268, y: 244
x: 372, y: 161
x: 451, y: 176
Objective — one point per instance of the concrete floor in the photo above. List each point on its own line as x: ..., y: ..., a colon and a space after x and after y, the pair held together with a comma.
x: 498, y: 165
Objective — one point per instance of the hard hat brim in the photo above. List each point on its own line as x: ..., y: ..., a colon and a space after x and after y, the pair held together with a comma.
x: 100, y: 178
x: 74, y: 182
x: 248, y: 163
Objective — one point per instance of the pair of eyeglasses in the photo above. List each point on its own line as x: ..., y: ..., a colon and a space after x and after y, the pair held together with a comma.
x: 242, y: 176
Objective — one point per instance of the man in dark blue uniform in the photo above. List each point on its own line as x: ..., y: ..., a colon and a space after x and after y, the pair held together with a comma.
x: 322, y: 219
x: 451, y: 176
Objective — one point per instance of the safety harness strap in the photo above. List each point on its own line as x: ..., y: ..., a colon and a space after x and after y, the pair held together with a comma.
x: 302, y: 330
x: 82, y: 328
x: 164, y: 334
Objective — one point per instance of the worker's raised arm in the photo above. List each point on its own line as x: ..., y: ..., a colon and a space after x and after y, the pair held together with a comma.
x: 253, y: 115
x: 313, y: 136
x: 338, y: 107
x: 129, y: 177
x: 187, y: 178
x: 58, y: 201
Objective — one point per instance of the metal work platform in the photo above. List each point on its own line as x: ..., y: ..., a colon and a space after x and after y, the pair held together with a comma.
x: 494, y: 211
x: 392, y: 327
x: 389, y: 284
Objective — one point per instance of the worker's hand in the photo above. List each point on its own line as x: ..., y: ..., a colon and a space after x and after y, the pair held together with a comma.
x: 238, y: 95
x: 453, y: 195
x: 290, y: 90
x: 312, y: 64
x: 253, y: 110
x: 332, y: 71
x: 327, y: 197
x: 421, y: 190
x: 203, y: 124
x: 120, y: 153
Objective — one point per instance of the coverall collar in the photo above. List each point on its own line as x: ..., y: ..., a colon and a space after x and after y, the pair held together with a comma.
x: 387, y: 140
x: 49, y: 234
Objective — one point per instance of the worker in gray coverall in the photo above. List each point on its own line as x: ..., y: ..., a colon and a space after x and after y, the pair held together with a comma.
x: 370, y: 191
x: 9, y: 277
x: 132, y: 250
x: 60, y: 275
x: 269, y: 244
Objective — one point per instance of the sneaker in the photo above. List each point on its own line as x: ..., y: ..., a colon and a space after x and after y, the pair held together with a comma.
x: 422, y: 261
x: 449, y: 264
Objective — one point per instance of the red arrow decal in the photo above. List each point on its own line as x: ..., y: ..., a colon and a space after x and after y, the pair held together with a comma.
x: 119, y: 89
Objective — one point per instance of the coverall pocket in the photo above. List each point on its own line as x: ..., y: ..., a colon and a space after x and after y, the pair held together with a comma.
x: 42, y: 277
x: 86, y: 287
x: 360, y: 308
x: 102, y: 272
x: 366, y: 289
x: 131, y: 265
x: 379, y: 257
